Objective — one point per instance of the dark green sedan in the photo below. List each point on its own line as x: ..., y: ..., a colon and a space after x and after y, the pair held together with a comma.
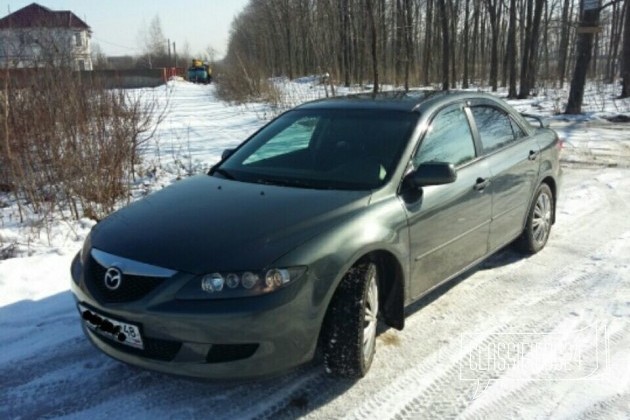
x: 335, y: 215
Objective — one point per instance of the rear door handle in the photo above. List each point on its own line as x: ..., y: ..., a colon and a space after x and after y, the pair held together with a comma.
x: 533, y: 154
x: 481, y: 184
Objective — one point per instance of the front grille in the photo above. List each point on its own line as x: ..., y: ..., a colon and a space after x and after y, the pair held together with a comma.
x: 220, y: 353
x: 154, y: 348
x: 131, y: 288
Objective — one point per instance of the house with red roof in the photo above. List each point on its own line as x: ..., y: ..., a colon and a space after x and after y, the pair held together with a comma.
x: 36, y: 36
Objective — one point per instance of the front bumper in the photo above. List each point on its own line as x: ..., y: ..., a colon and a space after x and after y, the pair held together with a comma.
x: 220, y: 339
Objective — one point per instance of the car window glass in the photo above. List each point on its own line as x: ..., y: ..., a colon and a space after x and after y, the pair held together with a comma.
x: 516, y: 129
x: 495, y: 128
x: 448, y: 139
x: 325, y: 148
x: 296, y: 136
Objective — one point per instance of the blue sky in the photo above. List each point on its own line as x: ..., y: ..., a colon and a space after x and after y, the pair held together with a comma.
x: 116, y: 24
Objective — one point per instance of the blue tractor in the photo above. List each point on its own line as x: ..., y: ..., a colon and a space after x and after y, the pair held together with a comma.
x: 199, y: 72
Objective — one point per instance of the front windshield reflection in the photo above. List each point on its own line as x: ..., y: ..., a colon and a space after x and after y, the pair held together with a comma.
x: 328, y: 149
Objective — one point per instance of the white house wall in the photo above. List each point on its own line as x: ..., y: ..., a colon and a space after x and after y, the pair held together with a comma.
x: 40, y: 47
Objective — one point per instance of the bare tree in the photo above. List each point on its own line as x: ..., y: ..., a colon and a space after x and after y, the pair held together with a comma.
x: 625, y: 62
x: 511, y: 50
x: 344, y: 12
x: 373, y: 39
x: 529, y: 61
x: 445, y: 43
x: 428, y: 43
x: 99, y: 59
x: 564, y: 41
x: 494, y: 11
x: 466, y: 44
x: 154, y: 44
x: 614, y: 40
x: 589, y: 26
x: 402, y: 41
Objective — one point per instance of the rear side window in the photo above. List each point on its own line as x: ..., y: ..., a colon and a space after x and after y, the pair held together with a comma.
x: 448, y: 139
x: 495, y: 128
x: 518, y: 131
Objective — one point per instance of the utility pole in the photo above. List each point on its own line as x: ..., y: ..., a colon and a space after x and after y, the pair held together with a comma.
x: 170, y: 60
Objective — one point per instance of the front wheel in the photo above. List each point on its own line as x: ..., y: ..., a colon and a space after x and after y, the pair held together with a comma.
x: 349, y: 334
x: 539, y: 220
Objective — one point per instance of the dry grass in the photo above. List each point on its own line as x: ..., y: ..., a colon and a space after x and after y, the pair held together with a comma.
x: 239, y: 83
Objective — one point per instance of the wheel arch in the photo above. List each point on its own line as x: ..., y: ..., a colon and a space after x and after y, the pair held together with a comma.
x: 551, y: 183
x: 392, y: 288
x: 391, y: 294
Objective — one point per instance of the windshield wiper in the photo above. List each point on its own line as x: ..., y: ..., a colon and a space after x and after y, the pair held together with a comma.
x: 287, y: 183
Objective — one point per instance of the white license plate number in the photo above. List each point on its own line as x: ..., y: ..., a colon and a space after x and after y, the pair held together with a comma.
x: 113, y: 329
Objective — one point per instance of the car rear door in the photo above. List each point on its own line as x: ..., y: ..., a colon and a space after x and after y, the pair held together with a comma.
x: 448, y: 224
x: 513, y: 160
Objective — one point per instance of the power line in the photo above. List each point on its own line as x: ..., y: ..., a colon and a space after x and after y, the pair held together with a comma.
x: 135, y: 49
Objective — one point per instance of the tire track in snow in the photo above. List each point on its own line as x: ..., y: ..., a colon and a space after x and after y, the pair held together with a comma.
x: 594, y: 297
x: 189, y: 399
x: 431, y: 390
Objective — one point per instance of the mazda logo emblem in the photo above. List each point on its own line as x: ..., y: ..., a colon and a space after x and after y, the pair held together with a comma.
x: 113, y: 278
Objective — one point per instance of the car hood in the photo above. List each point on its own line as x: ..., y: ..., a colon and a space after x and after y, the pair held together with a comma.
x: 207, y: 224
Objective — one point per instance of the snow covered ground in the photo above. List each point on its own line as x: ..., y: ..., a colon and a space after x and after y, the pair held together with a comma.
x: 538, y: 337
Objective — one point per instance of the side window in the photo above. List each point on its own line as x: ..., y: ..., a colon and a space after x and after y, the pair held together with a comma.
x: 448, y: 139
x: 495, y: 128
x: 518, y: 131
x: 296, y: 136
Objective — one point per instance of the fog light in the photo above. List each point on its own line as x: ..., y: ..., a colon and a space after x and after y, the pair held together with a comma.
x: 212, y: 283
x: 249, y: 279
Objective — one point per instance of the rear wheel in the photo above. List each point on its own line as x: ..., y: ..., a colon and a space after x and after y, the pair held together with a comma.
x: 349, y: 335
x: 538, y: 226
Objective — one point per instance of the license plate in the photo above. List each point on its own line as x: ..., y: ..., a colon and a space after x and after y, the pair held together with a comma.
x: 113, y: 329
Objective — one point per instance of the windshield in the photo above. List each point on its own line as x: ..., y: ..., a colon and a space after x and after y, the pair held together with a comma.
x: 328, y: 149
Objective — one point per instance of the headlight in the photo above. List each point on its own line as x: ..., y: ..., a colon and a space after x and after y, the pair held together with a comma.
x: 239, y: 283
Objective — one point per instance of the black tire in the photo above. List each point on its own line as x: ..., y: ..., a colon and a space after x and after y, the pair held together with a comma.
x: 539, y: 220
x: 349, y: 331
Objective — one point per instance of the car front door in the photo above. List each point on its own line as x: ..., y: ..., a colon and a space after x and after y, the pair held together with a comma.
x: 448, y: 224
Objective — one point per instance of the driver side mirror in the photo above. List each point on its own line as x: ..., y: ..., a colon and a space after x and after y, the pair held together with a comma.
x: 431, y: 173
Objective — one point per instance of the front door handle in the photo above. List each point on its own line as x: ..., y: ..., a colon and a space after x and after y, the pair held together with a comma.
x: 481, y: 184
x: 533, y: 154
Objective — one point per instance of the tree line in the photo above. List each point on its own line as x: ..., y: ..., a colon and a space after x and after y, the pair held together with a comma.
x: 521, y: 45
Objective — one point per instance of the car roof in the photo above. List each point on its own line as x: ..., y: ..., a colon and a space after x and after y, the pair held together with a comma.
x: 410, y: 101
